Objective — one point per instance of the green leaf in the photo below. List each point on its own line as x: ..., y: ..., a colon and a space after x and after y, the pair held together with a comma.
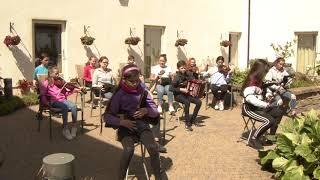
x: 285, y: 145
x: 305, y: 152
x: 295, y: 173
x: 316, y: 173
x: 270, y: 156
x: 305, y: 140
x: 280, y: 163
x: 295, y: 138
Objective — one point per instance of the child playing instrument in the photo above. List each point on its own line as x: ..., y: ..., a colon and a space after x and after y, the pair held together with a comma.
x: 139, y: 110
x: 53, y: 96
x: 180, y: 91
x: 281, y: 80
x: 254, y: 105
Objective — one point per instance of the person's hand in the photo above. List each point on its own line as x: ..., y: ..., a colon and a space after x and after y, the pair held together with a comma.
x: 184, y: 90
x: 128, y: 124
x: 140, y: 113
x: 77, y: 90
x: 269, y: 98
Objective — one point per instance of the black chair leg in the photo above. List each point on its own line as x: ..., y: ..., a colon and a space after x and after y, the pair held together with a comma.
x: 50, y: 126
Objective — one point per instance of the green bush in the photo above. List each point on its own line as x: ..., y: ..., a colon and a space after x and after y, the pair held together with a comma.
x: 301, y: 80
x: 297, y: 151
x: 30, y: 99
x: 238, y: 77
x: 9, y: 105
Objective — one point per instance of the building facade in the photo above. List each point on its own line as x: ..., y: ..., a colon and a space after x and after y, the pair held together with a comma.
x: 56, y: 27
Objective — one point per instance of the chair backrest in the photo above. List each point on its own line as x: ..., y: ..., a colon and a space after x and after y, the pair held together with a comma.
x: 79, y: 70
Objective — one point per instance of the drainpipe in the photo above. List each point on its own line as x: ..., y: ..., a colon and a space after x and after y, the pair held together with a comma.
x: 248, y: 47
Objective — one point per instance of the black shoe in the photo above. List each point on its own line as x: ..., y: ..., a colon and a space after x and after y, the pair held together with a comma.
x: 162, y: 149
x: 188, y: 127
x: 256, y: 144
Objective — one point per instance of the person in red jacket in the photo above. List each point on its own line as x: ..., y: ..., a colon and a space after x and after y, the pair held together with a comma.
x: 88, y: 71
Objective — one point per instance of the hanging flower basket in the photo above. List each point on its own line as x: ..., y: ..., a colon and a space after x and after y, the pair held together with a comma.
x: 12, y: 40
x: 225, y: 43
x: 87, y: 40
x: 181, y: 42
x: 132, y: 40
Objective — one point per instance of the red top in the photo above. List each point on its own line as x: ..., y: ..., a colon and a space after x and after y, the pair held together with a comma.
x: 87, y: 72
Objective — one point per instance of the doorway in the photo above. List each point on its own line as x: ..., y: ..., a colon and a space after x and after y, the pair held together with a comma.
x: 152, y: 47
x: 234, y: 38
x: 47, y: 39
x: 306, y: 53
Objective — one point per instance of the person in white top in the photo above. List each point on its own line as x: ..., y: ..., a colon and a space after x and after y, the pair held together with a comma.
x: 163, y: 74
x: 103, y: 78
x: 280, y: 81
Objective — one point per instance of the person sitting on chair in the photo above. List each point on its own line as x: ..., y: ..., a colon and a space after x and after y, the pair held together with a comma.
x: 103, y: 78
x: 56, y: 97
x: 281, y: 80
x: 162, y: 73
x: 179, y: 89
x: 138, y: 111
x: 219, y: 85
x: 192, y: 68
x: 88, y: 71
x: 256, y: 107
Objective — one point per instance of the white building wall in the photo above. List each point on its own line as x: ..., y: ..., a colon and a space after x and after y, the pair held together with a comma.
x: 275, y: 21
x: 204, y: 23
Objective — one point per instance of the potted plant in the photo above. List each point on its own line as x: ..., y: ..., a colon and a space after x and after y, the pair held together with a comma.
x: 24, y: 86
x: 12, y: 40
x: 225, y: 43
x: 87, y: 40
x: 181, y: 42
x: 132, y: 40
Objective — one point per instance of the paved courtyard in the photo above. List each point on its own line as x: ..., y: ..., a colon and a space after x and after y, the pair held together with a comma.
x: 211, y: 151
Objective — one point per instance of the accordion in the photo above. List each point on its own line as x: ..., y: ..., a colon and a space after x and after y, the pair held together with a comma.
x: 196, y: 88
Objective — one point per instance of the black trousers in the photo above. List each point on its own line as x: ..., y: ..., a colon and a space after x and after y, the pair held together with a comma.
x: 147, y: 139
x: 219, y: 92
x: 186, y: 100
x: 270, y: 118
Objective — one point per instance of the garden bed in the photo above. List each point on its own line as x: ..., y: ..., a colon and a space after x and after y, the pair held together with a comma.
x: 11, y: 104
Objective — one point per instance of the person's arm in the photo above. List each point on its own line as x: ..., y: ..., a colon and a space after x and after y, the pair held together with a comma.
x: 43, y: 87
x: 110, y: 117
x: 269, y: 79
x: 86, y: 72
x: 250, y: 93
x: 153, y: 75
x: 95, y: 79
x: 151, y: 107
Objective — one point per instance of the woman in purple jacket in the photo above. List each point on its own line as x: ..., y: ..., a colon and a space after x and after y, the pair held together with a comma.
x: 131, y: 110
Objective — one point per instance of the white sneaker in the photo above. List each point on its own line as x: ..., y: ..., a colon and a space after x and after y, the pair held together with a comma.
x: 73, y: 132
x: 171, y: 109
x: 66, y: 133
x: 159, y: 109
x: 216, y: 107
x: 221, y: 105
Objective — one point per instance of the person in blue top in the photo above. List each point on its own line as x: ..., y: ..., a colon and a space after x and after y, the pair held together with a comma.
x: 42, y: 69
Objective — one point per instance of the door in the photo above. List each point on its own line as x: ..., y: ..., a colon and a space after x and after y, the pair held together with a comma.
x: 152, y: 47
x: 234, y: 38
x: 48, y: 40
x: 306, y: 53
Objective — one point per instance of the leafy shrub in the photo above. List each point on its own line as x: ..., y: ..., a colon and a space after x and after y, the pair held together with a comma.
x: 30, y: 99
x: 238, y: 77
x: 9, y: 105
x: 301, y: 80
x: 297, y: 151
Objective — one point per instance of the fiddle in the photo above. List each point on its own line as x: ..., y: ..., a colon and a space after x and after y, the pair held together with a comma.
x: 67, y: 86
x: 224, y: 69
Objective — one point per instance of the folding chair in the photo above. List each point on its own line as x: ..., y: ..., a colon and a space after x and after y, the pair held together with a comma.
x: 79, y: 70
x: 230, y: 91
x: 249, y: 127
x: 51, y: 111
x: 143, y: 156
x: 100, y: 104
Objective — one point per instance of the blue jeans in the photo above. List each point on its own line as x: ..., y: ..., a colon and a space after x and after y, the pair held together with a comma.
x: 289, y: 97
x: 65, y: 106
x: 160, y: 92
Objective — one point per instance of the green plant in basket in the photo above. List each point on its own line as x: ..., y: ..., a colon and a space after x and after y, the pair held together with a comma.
x: 297, y: 151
